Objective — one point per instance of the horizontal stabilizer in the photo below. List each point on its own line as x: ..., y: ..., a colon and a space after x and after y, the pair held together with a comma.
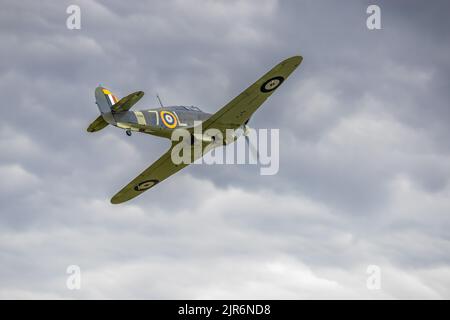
x: 97, y: 125
x: 127, y: 102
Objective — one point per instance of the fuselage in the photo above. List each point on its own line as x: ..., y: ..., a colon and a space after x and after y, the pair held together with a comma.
x: 159, y: 122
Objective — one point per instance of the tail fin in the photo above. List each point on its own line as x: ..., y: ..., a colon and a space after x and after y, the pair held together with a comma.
x: 104, y: 99
x: 108, y: 102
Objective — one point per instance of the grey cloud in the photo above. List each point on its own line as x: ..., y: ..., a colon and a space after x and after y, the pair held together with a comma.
x: 364, y: 151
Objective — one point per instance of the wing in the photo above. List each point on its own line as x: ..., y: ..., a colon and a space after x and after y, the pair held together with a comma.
x: 160, y: 170
x: 239, y: 110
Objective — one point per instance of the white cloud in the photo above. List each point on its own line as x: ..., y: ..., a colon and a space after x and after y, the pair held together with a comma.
x: 16, y: 179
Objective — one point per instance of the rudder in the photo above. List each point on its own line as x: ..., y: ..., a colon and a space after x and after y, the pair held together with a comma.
x: 104, y: 99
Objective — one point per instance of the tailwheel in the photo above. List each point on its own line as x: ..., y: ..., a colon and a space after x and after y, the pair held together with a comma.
x: 128, y: 132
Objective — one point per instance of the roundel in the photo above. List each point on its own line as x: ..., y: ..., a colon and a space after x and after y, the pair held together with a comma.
x: 169, y: 119
x: 145, y: 185
x: 272, y: 84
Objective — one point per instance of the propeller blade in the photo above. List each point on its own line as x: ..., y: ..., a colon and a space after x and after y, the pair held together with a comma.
x: 252, y: 148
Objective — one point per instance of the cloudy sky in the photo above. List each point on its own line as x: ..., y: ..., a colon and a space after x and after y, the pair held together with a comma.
x: 364, y: 153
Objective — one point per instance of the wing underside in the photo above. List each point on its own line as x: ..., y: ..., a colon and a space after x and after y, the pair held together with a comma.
x: 239, y: 110
x: 160, y: 170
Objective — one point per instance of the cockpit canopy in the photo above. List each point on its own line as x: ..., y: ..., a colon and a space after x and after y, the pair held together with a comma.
x: 192, y: 108
x: 184, y: 108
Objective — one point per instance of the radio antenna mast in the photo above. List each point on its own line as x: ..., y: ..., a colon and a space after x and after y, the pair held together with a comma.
x: 159, y: 100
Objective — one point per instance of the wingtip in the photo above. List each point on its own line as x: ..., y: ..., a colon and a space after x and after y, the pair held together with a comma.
x: 121, y: 198
x: 294, y: 60
x: 297, y: 59
x: 114, y: 200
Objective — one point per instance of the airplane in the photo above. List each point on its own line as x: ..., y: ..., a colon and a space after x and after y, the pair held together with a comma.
x: 164, y: 120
